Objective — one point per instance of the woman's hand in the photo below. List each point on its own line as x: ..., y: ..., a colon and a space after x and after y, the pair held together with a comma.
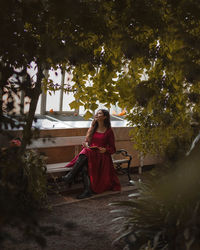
x: 85, y: 144
x: 102, y: 150
x: 94, y: 120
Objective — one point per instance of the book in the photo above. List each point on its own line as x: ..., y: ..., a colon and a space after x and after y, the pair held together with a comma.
x: 94, y: 147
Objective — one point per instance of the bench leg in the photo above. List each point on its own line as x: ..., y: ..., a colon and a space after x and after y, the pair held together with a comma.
x: 125, y: 171
x: 128, y: 171
x: 131, y: 182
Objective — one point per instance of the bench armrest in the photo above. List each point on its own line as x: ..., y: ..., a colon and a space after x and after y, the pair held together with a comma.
x: 124, y: 153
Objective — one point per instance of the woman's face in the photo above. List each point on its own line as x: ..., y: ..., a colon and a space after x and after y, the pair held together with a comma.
x: 100, y: 115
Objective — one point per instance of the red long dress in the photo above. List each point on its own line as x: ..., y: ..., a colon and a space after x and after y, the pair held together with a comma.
x: 100, y: 166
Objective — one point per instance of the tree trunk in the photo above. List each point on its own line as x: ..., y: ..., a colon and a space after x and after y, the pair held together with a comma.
x: 27, y: 131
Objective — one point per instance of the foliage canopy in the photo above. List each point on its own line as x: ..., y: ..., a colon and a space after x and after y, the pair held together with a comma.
x: 143, y: 55
x: 150, y: 66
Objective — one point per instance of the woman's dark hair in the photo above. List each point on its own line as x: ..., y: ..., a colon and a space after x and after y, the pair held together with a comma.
x: 107, y: 123
x: 94, y: 125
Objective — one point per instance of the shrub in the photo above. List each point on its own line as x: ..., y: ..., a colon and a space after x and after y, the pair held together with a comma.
x: 165, y: 213
x: 23, y: 190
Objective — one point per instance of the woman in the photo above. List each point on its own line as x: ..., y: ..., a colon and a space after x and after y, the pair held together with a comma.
x: 95, y: 160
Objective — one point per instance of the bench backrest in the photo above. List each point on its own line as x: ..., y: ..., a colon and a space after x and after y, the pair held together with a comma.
x: 57, y: 142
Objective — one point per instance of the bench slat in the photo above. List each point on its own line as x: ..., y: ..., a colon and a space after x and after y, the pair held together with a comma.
x: 57, y: 170
x: 120, y: 161
x: 57, y: 167
x: 60, y: 167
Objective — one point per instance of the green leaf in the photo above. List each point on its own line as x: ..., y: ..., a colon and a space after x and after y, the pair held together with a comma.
x: 88, y: 115
x: 75, y: 104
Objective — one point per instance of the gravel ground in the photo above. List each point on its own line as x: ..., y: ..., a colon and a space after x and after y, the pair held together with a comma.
x: 81, y: 224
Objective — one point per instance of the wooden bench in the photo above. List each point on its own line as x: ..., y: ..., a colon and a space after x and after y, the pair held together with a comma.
x: 60, y: 169
x: 120, y: 157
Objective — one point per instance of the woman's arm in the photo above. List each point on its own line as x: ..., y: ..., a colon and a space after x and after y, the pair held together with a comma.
x: 110, y: 147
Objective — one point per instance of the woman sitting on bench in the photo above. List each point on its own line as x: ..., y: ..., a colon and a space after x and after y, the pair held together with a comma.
x: 94, y: 161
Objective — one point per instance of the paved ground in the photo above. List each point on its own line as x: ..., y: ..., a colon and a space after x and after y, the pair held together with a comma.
x: 82, y: 224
